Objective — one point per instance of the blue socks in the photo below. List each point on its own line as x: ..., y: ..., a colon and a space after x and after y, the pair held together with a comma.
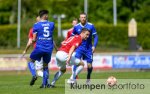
x: 45, y: 76
x: 74, y: 68
x: 32, y: 68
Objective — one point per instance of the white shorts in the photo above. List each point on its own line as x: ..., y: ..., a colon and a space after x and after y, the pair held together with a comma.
x: 61, y: 58
x: 39, y: 64
x: 74, y: 60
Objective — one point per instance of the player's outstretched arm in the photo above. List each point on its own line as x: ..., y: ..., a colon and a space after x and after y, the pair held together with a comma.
x: 70, y: 54
x: 27, y: 47
x: 55, y: 46
x: 95, y: 42
x: 34, y: 38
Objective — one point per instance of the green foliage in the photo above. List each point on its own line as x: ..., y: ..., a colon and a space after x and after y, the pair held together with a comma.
x: 6, y: 9
x: 98, y: 10
x: 112, y: 37
x: 8, y: 34
x: 144, y: 35
x: 4, y: 17
x: 109, y: 35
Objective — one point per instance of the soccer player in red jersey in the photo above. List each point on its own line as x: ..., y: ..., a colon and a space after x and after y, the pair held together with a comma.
x: 74, y: 22
x: 69, y: 33
x: 65, y: 54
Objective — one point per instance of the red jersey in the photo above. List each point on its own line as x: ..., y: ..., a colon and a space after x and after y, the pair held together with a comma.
x: 30, y: 36
x: 68, y: 43
x: 69, y: 33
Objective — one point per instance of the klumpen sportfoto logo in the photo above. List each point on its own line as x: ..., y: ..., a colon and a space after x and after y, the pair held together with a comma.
x: 121, y: 86
x: 101, y: 86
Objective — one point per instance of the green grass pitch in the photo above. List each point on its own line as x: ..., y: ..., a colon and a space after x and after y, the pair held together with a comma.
x: 18, y: 82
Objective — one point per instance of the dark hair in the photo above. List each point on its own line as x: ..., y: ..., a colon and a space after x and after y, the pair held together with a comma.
x: 83, y: 13
x: 75, y: 19
x: 85, y: 29
x: 43, y: 12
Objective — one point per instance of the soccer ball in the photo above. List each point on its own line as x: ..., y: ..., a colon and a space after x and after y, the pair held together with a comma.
x: 111, y: 81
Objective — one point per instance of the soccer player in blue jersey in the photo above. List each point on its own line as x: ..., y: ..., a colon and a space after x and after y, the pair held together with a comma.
x: 86, y: 49
x: 43, y: 36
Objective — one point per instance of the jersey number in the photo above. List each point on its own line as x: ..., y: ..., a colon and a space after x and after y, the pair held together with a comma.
x: 67, y: 41
x: 46, y: 32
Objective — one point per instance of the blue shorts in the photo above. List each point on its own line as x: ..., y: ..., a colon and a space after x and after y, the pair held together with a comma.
x: 38, y: 54
x: 86, y: 55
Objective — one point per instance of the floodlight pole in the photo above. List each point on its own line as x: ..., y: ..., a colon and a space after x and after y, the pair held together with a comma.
x: 19, y: 21
x: 86, y: 6
x: 59, y: 17
x: 59, y: 25
x: 115, y: 12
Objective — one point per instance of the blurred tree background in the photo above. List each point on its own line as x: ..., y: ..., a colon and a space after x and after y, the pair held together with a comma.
x: 100, y: 13
x: 98, y: 10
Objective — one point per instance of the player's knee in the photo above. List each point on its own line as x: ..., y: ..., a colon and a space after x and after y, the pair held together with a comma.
x: 31, y: 60
x: 89, y: 65
x: 45, y: 65
x: 63, y: 70
x: 81, y: 64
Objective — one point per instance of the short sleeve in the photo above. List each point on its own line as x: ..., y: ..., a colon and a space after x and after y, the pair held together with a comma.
x: 35, y: 28
x: 30, y: 35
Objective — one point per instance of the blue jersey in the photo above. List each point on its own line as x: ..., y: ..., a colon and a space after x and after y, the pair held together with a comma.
x: 44, y: 40
x: 86, y: 44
